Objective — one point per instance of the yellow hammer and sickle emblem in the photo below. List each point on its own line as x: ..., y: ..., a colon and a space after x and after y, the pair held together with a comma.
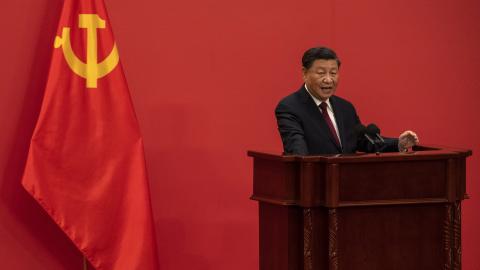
x: 92, y: 70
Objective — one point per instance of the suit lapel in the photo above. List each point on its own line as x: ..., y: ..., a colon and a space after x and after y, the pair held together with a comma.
x: 315, y: 111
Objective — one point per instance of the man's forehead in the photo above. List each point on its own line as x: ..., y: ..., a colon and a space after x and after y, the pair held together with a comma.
x: 325, y: 64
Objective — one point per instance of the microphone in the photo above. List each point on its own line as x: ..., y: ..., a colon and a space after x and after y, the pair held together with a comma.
x: 361, y: 131
x: 374, y: 131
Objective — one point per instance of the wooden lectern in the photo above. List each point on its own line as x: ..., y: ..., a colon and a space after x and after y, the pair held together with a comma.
x: 392, y: 211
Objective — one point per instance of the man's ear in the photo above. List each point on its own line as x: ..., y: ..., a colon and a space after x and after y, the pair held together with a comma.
x: 304, y: 72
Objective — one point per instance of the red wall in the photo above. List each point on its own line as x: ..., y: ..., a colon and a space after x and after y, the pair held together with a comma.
x: 205, y: 77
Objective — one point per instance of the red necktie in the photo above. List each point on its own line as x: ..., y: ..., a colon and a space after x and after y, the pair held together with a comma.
x: 323, y: 106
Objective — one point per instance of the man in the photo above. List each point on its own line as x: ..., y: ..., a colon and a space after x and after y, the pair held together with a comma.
x: 314, y: 121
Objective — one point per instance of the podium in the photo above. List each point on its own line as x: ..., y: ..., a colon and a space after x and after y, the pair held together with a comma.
x: 392, y: 211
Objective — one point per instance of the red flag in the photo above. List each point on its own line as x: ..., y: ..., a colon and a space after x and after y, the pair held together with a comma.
x: 86, y: 162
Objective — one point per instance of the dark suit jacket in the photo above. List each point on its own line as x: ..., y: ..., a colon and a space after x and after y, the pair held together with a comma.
x: 305, y: 132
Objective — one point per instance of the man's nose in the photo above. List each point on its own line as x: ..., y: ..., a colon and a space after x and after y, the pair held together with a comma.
x: 327, y: 79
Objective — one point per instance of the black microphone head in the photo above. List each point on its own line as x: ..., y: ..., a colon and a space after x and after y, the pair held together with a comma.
x: 360, y: 130
x: 372, y: 129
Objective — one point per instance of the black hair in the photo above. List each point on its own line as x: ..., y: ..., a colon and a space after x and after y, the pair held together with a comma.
x: 316, y: 53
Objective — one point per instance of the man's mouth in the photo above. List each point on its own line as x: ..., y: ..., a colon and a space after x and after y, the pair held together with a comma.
x: 326, y: 87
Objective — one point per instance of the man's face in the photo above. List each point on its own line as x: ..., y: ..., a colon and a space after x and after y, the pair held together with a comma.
x: 322, y: 78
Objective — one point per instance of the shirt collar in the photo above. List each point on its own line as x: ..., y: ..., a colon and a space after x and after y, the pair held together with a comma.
x: 318, y: 101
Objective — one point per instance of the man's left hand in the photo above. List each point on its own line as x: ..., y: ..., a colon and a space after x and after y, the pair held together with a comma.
x: 406, y: 140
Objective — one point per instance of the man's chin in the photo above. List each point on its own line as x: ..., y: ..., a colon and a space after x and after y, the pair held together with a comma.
x: 324, y: 96
x: 321, y: 94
